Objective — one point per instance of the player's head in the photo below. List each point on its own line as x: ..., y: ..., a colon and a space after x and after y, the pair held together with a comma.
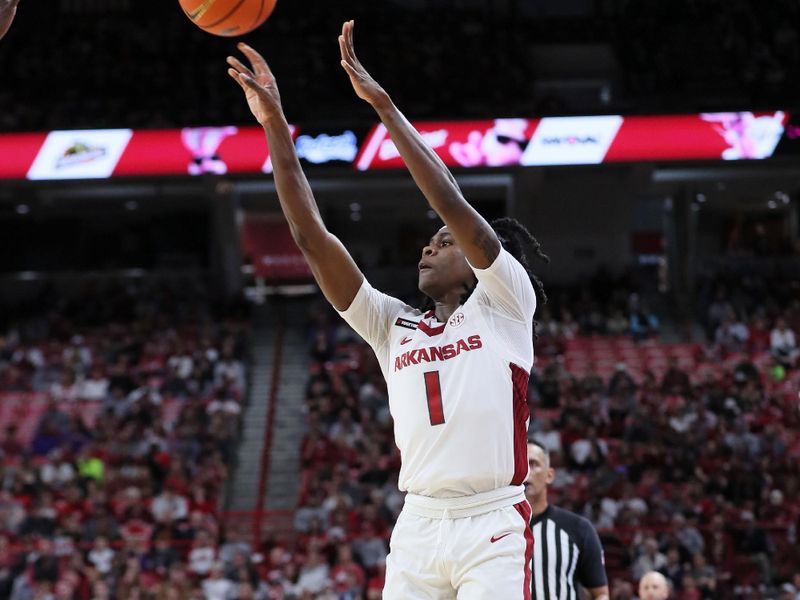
x: 444, y: 269
x: 653, y: 586
x: 541, y: 473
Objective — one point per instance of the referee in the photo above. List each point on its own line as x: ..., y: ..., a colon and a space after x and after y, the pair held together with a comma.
x: 566, y: 549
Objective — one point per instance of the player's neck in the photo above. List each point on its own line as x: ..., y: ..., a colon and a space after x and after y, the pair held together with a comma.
x: 447, y: 306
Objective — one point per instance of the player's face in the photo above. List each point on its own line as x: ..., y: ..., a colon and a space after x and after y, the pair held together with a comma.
x: 443, y: 268
x: 653, y: 587
x: 540, y: 474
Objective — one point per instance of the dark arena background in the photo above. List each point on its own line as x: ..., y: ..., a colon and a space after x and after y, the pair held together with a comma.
x: 183, y: 416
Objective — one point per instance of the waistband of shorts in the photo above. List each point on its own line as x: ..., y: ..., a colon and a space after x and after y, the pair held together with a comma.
x: 464, y: 506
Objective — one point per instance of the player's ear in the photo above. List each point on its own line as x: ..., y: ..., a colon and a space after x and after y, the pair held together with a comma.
x: 551, y: 475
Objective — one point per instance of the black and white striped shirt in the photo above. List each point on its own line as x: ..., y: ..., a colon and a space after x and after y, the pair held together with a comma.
x: 566, y: 553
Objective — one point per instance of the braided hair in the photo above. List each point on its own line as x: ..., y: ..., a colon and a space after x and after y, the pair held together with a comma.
x: 515, y: 238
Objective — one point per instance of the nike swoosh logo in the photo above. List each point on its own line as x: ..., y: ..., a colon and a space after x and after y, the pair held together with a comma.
x: 499, y: 537
x: 405, y: 340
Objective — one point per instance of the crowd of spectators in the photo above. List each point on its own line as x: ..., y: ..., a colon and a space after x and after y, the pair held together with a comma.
x: 604, y: 305
x: 117, y: 63
x: 126, y: 405
x: 752, y: 313
x: 694, y: 472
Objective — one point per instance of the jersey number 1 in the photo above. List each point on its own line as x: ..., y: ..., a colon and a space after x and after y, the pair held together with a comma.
x: 433, y: 391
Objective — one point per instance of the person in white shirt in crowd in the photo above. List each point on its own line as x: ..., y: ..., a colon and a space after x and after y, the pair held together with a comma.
x: 650, y: 559
x: 101, y: 555
x: 216, y: 586
x: 589, y: 451
x: 229, y: 369
x: 95, y: 386
x: 169, y: 506
x: 783, y: 342
x: 548, y: 437
x: 57, y: 471
x: 203, y: 554
x: 66, y: 390
x: 314, y: 574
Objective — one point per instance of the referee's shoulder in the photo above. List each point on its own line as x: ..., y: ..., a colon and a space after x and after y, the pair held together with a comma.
x: 570, y: 521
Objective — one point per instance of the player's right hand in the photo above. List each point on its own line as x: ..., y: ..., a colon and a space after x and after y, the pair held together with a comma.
x: 258, y: 83
x: 364, y: 85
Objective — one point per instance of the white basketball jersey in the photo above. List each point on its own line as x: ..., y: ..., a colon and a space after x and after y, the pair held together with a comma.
x: 457, y: 390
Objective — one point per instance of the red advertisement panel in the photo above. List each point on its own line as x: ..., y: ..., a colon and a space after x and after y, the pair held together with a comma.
x: 17, y: 153
x: 267, y: 243
x: 711, y: 136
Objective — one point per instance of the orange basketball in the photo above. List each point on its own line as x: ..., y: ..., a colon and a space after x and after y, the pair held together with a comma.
x: 228, y: 17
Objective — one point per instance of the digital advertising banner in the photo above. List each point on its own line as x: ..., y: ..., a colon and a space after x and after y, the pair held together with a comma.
x: 551, y: 141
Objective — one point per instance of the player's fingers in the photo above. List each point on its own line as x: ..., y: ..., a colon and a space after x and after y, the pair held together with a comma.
x: 351, y: 44
x: 235, y: 76
x: 250, y: 83
x: 259, y: 64
x: 343, y: 49
x: 237, y: 64
x: 350, y: 70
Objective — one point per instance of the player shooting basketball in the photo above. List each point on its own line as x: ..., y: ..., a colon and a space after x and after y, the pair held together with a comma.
x: 457, y: 375
x: 8, y: 9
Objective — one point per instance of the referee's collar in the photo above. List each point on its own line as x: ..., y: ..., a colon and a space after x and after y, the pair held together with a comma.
x: 537, y: 518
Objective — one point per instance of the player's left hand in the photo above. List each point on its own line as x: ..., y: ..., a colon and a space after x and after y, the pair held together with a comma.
x: 365, y: 86
x: 8, y: 8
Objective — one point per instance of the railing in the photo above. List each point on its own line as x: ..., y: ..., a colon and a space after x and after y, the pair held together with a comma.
x: 266, y: 451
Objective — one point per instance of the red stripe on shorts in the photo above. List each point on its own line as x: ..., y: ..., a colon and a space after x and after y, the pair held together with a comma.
x: 524, y: 509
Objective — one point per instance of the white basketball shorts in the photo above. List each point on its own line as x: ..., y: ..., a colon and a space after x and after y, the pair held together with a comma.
x: 475, y: 548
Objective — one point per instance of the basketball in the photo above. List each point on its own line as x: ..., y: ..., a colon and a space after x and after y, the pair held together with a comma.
x: 228, y: 17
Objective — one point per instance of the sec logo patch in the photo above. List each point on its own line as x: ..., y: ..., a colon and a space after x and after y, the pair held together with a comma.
x: 456, y: 320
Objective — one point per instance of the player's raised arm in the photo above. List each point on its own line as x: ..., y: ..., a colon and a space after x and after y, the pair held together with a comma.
x: 333, y: 267
x: 8, y: 8
x: 471, y: 231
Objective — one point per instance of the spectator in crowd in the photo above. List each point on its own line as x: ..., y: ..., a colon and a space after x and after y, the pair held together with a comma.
x: 314, y: 574
x: 650, y: 559
x: 653, y: 586
x: 753, y: 542
x: 783, y: 342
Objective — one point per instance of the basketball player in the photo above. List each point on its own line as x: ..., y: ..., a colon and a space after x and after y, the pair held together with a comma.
x: 457, y: 375
x: 8, y: 8
x: 568, y: 550
x: 654, y: 586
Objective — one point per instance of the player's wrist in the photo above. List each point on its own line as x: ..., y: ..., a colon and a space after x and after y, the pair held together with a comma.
x: 380, y: 100
x: 273, y: 122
